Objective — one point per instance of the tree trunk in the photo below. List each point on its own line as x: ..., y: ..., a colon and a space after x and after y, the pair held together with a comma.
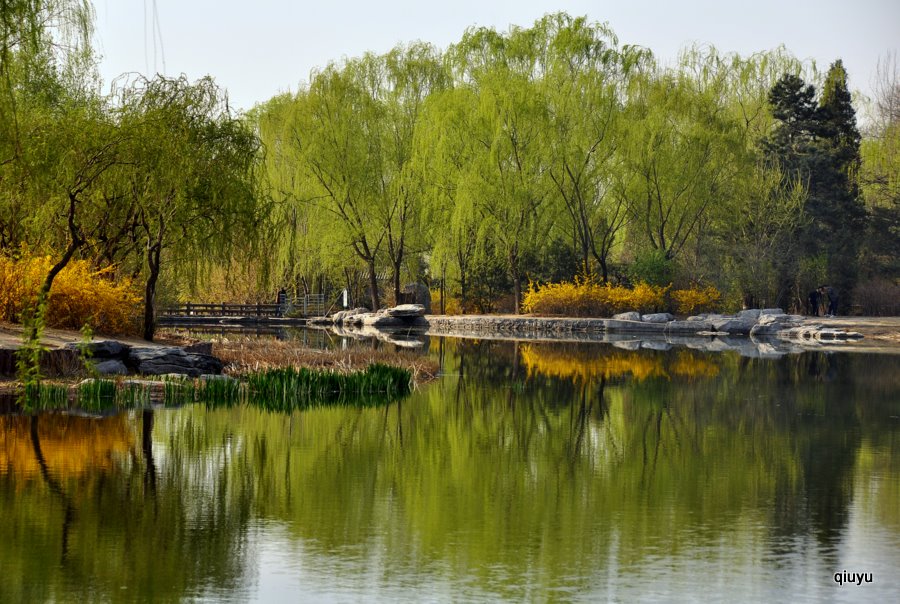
x: 373, y: 284
x: 396, y: 277
x: 153, y: 254
x: 517, y: 280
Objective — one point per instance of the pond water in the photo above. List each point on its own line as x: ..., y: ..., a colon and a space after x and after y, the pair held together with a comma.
x: 527, y: 471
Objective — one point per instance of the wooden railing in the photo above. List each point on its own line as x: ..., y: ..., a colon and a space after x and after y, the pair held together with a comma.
x: 312, y: 305
x: 221, y: 310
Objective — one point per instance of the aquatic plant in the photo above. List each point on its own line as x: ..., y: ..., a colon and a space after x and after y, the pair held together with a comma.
x: 275, y: 389
x: 44, y: 395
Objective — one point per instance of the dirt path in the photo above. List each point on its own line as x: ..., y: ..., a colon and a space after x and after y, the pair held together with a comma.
x: 11, y: 337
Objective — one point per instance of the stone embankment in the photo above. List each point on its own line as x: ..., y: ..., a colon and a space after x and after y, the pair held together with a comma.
x: 764, y: 324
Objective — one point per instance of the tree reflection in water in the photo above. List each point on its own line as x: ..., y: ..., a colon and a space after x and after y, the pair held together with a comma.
x: 528, y: 470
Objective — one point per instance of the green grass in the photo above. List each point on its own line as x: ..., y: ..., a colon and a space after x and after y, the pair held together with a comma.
x: 45, y: 396
x: 275, y: 390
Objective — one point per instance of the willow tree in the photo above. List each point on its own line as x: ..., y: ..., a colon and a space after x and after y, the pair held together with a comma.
x: 337, y: 129
x: 583, y: 84
x: 412, y: 75
x: 880, y: 175
x: 192, y: 177
x: 510, y: 123
x: 445, y: 151
x: 46, y: 68
x: 677, y: 158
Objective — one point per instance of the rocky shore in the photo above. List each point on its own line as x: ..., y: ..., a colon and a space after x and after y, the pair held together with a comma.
x: 115, y: 357
x: 771, y: 323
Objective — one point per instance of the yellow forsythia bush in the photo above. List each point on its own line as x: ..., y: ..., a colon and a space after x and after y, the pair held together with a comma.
x: 79, y: 296
x: 689, y: 301
x: 584, y: 298
x: 452, y: 306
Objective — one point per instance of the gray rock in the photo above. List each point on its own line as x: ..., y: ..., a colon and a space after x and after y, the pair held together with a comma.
x: 100, y: 349
x: 741, y: 326
x: 406, y: 311
x: 418, y: 293
x: 765, y: 331
x: 111, y: 367
x: 697, y: 318
x: 162, y: 360
x: 771, y: 311
x: 346, y: 316
x: 691, y: 327
x: 659, y: 317
x: 750, y: 313
x: 628, y: 316
x: 376, y: 320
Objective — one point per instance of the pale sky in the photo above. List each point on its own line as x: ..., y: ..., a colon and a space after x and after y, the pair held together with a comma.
x: 259, y: 48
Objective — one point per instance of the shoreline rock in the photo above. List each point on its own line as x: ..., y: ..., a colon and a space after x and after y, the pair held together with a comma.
x: 751, y: 326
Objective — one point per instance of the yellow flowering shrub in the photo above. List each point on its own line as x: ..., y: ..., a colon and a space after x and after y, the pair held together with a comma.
x: 79, y: 296
x: 452, y: 305
x: 584, y: 298
x: 693, y: 300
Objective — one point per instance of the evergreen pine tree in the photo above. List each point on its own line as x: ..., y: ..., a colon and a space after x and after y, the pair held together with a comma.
x: 818, y: 144
x: 837, y: 210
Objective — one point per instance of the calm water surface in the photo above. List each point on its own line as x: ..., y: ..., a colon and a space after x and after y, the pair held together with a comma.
x: 526, y: 472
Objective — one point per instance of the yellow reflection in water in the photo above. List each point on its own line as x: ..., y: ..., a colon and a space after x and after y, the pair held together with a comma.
x: 565, y: 362
x: 70, y: 445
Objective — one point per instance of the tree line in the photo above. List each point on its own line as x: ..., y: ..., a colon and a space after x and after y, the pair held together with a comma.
x: 534, y: 154
x: 553, y: 151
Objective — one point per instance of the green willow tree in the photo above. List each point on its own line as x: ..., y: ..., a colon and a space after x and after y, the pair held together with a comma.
x: 880, y: 183
x: 584, y: 82
x: 337, y: 131
x: 192, y: 177
x: 510, y: 122
x: 679, y: 153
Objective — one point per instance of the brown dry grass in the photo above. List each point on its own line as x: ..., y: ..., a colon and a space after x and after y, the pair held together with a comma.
x: 242, y: 355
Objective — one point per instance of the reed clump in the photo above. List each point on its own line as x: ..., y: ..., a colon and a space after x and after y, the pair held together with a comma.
x: 281, y: 389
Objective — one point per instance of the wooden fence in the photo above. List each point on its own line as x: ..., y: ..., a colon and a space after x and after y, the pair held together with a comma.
x: 308, y: 306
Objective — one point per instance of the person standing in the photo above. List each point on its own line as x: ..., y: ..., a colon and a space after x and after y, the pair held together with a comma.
x: 281, y: 300
x: 832, y: 297
x: 812, y: 303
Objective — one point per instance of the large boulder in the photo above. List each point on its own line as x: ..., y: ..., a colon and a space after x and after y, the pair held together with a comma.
x: 734, y: 325
x: 659, y: 317
x: 111, y: 367
x: 627, y: 316
x: 418, y: 293
x: 348, y: 316
x: 100, y: 349
x: 381, y: 320
x: 406, y: 311
x: 772, y: 324
x: 163, y: 360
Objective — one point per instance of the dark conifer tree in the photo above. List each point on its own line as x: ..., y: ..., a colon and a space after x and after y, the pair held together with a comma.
x: 837, y: 211
x: 818, y: 144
